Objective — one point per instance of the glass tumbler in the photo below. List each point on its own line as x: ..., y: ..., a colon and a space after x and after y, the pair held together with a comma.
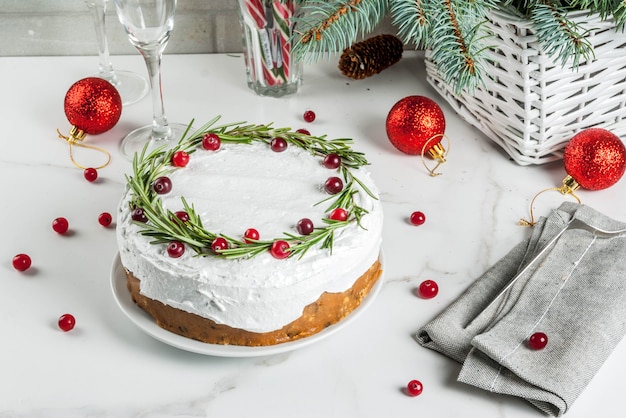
x: 267, y: 27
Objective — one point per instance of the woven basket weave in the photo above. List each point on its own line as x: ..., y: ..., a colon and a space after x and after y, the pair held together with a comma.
x: 533, y: 105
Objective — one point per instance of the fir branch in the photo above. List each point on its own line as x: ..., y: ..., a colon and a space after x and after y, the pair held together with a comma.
x: 559, y: 36
x: 619, y: 14
x: 164, y: 226
x: 328, y: 27
x: 457, y: 41
x: 412, y: 21
x: 454, y: 30
x: 605, y: 8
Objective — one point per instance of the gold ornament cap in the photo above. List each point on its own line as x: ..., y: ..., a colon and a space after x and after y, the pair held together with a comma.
x: 569, y: 186
x: 437, y: 152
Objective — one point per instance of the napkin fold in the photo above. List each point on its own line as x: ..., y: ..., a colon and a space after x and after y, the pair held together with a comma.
x: 575, y: 292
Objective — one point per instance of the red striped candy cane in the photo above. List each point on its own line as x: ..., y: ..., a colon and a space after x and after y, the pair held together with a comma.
x: 257, y: 12
x: 283, y: 12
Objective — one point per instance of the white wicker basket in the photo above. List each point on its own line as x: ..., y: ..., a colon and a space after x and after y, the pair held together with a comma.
x: 533, y: 105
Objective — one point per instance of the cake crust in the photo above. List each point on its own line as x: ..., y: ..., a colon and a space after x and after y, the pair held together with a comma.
x: 327, y: 310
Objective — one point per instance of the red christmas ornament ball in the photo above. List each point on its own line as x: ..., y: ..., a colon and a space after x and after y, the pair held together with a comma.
x: 414, y: 122
x: 93, y: 105
x: 595, y: 158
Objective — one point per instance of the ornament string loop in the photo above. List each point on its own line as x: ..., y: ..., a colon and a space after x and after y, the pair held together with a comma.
x: 75, y: 139
x: 437, y: 152
x: 569, y: 187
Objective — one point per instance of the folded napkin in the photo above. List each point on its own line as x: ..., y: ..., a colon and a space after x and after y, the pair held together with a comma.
x: 574, y: 292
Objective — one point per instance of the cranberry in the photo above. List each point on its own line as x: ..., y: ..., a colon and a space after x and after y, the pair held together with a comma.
x: 180, y: 159
x: 162, y: 185
x: 278, y: 144
x: 90, y: 174
x: 305, y: 226
x: 338, y: 214
x: 332, y: 161
x: 309, y: 116
x: 428, y: 289
x: 250, y: 235
x: 333, y: 185
x: 417, y: 218
x: 280, y: 249
x: 21, y: 262
x: 211, y: 142
x: 60, y: 225
x: 175, y: 249
x: 303, y: 131
x: 219, y: 244
x: 414, y: 388
x: 67, y: 322
x: 538, y: 341
x: 182, y: 216
x: 138, y: 215
x: 105, y: 219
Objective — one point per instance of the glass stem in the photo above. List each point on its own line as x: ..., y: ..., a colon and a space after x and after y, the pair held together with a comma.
x: 98, y: 12
x: 152, y: 56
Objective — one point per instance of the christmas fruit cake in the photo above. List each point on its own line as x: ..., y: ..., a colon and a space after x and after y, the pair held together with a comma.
x: 250, y: 235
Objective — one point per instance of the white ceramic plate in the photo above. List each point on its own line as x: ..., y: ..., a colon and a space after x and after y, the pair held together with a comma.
x: 147, y: 324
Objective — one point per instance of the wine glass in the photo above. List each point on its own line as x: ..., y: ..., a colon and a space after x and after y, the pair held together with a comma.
x: 131, y: 86
x: 148, y: 24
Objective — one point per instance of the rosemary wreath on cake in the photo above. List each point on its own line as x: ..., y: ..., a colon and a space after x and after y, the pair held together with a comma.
x: 184, y: 228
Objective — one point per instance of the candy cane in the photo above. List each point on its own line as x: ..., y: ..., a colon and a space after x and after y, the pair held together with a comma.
x: 269, y: 77
x: 274, y: 41
x: 256, y: 10
x: 283, y: 11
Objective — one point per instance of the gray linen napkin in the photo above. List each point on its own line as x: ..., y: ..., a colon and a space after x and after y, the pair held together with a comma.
x: 575, y: 292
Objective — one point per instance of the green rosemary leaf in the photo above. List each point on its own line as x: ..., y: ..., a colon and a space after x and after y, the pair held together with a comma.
x: 164, y: 226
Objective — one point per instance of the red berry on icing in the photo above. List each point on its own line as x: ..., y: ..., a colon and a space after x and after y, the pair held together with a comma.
x: 338, y: 214
x: 219, y: 244
x: 280, y: 249
x: 162, y: 185
x: 417, y: 218
x: 138, y: 215
x: 182, y: 216
x: 309, y: 116
x: 175, y: 249
x: 90, y: 174
x: 414, y: 388
x: 332, y: 161
x: 428, y: 289
x: 538, y: 341
x: 67, y: 322
x: 105, y: 219
x: 211, y: 142
x: 21, y: 262
x: 305, y: 226
x: 333, y: 185
x: 303, y: 131
x: 180, y: 159
x: 250, y: 235
x: 60, y: 225
x: 278, y: 144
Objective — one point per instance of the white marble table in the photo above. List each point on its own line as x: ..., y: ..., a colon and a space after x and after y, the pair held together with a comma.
x: 107, y: 367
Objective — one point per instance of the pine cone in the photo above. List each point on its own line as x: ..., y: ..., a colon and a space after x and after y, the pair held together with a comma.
x: 371, y: 56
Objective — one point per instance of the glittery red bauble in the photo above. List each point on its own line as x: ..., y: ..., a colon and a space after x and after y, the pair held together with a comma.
x: 595, y: 158
x: 413, y: 122
x: 93, y: 105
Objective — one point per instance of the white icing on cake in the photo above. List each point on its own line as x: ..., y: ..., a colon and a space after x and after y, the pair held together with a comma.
x: 249, y: 186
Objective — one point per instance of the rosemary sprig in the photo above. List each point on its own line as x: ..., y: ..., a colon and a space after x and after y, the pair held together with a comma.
x: 163, y: 226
